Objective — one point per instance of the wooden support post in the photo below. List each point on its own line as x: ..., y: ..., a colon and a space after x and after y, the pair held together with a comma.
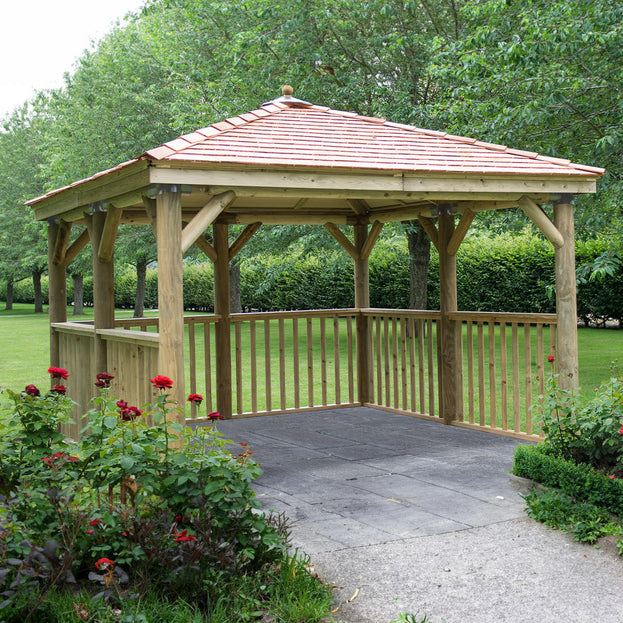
x: 57, y: 292
x: 449, y: 369
x: 171, y: 294
x: 222, y: 329
x: 103, y: 290
x: 362, y: 301
x: 566, y: 304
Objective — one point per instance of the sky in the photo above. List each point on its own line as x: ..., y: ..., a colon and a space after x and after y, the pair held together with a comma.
x: 42, y: 39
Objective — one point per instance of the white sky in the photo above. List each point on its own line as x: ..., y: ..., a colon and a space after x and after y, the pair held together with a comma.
x: 42, y: 39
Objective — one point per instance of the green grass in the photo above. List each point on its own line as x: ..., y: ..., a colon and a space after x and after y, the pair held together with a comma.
x: 24, y: 356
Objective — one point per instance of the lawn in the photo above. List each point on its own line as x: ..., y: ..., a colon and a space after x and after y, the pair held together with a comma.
x: 24, y: 352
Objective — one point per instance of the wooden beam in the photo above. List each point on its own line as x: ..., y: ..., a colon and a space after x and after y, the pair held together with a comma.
x: 393, y: 215
x: 205, y: 217
x: 359, y: 206
x: 76, y: 246
x: 460, y: 231
x: 368, y: 245
x: 57, y: 293
x: 150, y: 209
x: 450, y: 370
x: 222, y: 329
x: 430, y: 229
x: 534, y: 212
x: 109, y: 235
x: 566, y: 298
x: 60, y: 244
x: 171, y: 295
x: 242, y: 239
x: 205, y: 247
x: 342, y: 240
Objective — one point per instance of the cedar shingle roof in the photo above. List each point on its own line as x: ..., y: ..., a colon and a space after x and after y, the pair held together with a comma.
x: 284, y: 135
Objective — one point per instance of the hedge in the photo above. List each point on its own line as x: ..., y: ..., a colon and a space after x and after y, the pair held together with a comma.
x: 579, y: 481
x: 509, y: 272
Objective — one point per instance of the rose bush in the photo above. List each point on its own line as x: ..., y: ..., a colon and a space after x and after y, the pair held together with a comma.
x: 172, y: 507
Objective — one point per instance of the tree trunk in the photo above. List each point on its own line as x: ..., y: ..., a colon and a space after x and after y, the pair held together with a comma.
x: 235, y: 303
x: 36, y: 282
x: 141, y: 280
x: 9, y: 294
x: 419, y: 260
x: 78, y: 294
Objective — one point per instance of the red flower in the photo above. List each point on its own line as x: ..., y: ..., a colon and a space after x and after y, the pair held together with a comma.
x: 122, y: 404
x: 129, y: 414
x: 103, y: 380
x: 104, y: 562
x: 215, y: 416
x: 59, y: 389
x: 198, y: 398
x: 58, y: 373
x: 31, y: 390
x: 90, y: 531
x: 621, y: 431
x: 177, y: 518
x: 94, y: 522
x: 183, y: 539
x: 550, y: 358
x: 162, y: 382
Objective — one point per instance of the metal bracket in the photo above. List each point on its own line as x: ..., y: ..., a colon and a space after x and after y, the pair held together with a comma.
x: 562, y: 198
x: 53, y: 220
x: 160, y: 189
x: 98, y: 206
x: 444, y: 209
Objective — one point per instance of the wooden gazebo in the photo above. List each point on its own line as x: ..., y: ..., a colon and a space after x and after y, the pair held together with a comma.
x: 292, y: 162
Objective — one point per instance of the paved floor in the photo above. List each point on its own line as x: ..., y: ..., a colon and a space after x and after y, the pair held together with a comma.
x: 418, y: 517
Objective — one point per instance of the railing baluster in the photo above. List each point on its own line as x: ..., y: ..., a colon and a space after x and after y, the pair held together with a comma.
x: 336, y: 359
x: 310, y: 363
x: 481, y: 375
x: 253, y: 355
x: 470, y: 371
x: 503, y: 376
x: 282, y: 364
x: 516, y: 406
x: 267, y: 366
x: 528, y: 375
x: 238, y: 346
x: 296, y: 363
x: 350, y: 349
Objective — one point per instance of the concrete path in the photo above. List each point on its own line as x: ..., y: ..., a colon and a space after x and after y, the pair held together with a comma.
x: 413, y: 516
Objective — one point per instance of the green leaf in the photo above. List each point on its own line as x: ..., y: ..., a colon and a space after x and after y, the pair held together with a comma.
x: 126, y: 462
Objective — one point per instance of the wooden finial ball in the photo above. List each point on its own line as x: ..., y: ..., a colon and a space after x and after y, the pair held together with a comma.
x: 287, y: 90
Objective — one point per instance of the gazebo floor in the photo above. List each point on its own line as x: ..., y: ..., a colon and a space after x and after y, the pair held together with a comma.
x: 419, y: 517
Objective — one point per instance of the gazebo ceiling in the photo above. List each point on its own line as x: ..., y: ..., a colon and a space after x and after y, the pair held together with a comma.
x: 291, y: 161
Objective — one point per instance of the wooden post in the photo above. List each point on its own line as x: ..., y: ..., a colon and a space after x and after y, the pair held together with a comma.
x: 449, y: 368
x: 171, y: 294
x: 222, y: 328
x: 566, y: 305
x: 362, y: 301
x: 103, y: 290
x: 57, y: 292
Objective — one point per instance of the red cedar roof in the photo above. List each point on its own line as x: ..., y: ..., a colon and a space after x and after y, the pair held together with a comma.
x: 297, y: 134
x: 294, y: 135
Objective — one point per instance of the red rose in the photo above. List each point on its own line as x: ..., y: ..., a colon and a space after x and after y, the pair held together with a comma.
x: 182, y: 539
x: 162, y: 382
x: 215, y: 416
x: 551, y: 358
x: 122, y: 404
x: 58, y: 373
x: 103, y: 380
x: 31, y: 390
x: 104, y: 563
x: 130, y: 413
x: 198, y: 398
x: 59, y: 389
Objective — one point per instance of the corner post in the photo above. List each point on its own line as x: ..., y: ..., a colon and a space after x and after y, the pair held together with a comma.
x: 222, y: 307
x: 362, y: 301
x: 450, y: 375
x: 103, y: 290
x: 566, y: 297
x: 57, y: 292
x: 171, y: 293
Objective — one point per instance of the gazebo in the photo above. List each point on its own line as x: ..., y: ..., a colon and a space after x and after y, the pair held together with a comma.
x: 292, y: 162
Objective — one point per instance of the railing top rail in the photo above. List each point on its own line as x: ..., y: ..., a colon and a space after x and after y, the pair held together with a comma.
x: 136, y: 322
x: 509, y: 317
x: 74, y: 327
x: 403, y: 313
x: 307, y: 313
x: 136, y: 337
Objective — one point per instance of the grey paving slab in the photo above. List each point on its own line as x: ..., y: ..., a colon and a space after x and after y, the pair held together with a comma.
x: 421, y: 517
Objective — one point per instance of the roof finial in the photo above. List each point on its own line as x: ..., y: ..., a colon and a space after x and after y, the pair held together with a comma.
x: 287, y: 90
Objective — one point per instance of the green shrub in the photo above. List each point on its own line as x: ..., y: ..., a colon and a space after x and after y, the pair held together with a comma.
x: 579, y: 481
x: 126, y: 507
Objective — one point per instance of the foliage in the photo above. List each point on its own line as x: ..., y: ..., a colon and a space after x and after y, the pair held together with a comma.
x: 148, y: 504
x: 577, y: 480
x: 585, y: 521
x: 586, y: 432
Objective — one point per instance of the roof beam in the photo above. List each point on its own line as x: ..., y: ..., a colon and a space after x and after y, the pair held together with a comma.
x: 76, y: 246
x: 242, y: 239
x: 109, y: 234
x: 205, y: 217
x: 534, y: 212
x: 373, y: 236
x: 205, y: 247
x: 460, y: 231
x: 344, y: 242
x: 429, y: 227
x: 60, y: 244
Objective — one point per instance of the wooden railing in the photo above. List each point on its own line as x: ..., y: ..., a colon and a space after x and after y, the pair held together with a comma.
x: 403, y: 360
x: 504, y: 361
x: 303, y: 360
